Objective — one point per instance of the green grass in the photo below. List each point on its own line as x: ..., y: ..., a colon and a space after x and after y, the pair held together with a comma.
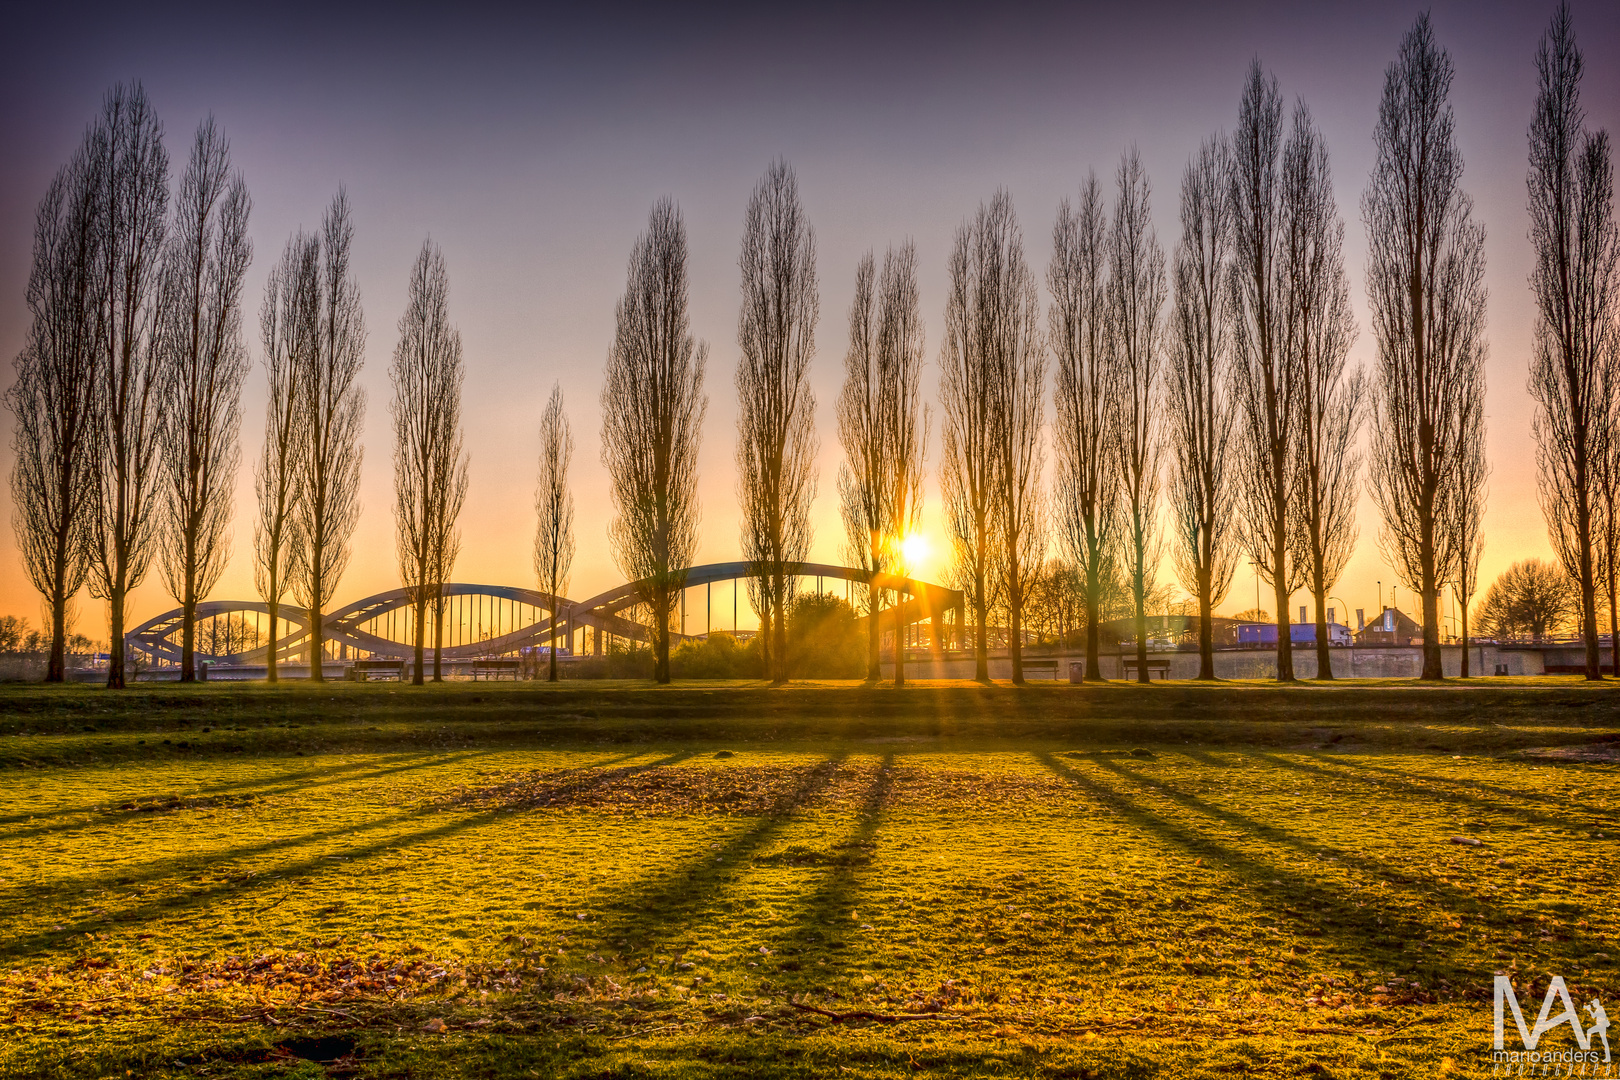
x: 617, y: 880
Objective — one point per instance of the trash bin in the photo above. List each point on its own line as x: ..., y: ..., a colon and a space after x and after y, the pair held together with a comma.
x: 202, y: 671
x: 1077, y: 671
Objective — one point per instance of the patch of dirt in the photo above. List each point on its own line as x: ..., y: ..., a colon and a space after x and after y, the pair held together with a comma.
x: 756, y: 790
x: 1588, y: 752
x: 185, y: 802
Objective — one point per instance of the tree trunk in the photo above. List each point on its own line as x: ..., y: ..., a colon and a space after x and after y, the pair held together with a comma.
x: 1015, y: 639
x: 1324, y: 658
x: 1285, y: 636
x: 188, y: 639
x: 1141, y: 638
x: 270, y: 648
x: 317, y: 646
x: 1433, y: 667
x: 899, y: 639
x: 551, y: 674
x: 779, y: 587
x: 56, y: 671
x: 981, y: 648
x: 1463, y: 670
x: 1206, y: 629
x: 115, y: 646
x: 874, y: 635
x: 419, y: 610
x: 1093, y: 635
x: 438, y: 635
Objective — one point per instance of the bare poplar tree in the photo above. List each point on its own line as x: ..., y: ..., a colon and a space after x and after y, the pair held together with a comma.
x: 776, y: 432
x: 652, y: 419
x: 1577, y: 290
x: 131, y: 207
x: 205, y: 362
x: 1469, y: 510
x: 1425, y: 282
x: 1266, y: 375
x: 554, y: 511
x: 288, y: 324
x: 1319, y: 330
x: 863, y: 474
x: 1203, y: 409
x: 1018, y: 418
x: 1136, y: 295
x: 430, y: 469
x: 53, y: 401
x: 902, y: 417
x: 971, y: 363
x: 1086, y: 425
x: 883, y: 428
x: 332, y: 405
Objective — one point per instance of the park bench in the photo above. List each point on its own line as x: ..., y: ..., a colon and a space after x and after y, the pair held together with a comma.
x: 495, y: 668
x: 1049, y: 668
x: 1155, y: 664
x: 377, y: 669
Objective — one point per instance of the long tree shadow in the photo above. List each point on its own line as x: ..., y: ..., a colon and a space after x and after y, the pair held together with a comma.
x: 1427, y: 889
x: 659, y: 909
x: 818, y: 924
x: 285, y: 873
x: 37, y: 894
x: 1444, y: 790
x: 1317, y: 906
x: 207, y: 789
x: 247, y: 789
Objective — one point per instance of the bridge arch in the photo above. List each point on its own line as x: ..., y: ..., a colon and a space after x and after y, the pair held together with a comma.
x: 372, y: 626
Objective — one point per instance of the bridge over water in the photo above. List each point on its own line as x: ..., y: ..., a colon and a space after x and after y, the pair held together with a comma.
x: 483, y: 621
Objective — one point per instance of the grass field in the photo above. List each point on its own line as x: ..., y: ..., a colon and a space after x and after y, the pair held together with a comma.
x: 523, y: 881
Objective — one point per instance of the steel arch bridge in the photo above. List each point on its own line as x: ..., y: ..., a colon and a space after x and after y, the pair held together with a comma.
x: 493, y: 620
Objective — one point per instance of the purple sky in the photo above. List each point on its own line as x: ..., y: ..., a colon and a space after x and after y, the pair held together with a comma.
x: 531, y: 146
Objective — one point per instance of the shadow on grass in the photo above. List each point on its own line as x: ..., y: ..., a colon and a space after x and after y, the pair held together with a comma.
x: 660, y: 908
x: 1444, y: 790
x: 209, y: 789
x: 278, y: 785
x: 816, y: 923
x: 1430, y: 891
x: 64, y: 889
x: 1375, y: 933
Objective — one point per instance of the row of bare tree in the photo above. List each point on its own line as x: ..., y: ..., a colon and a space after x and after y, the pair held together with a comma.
x: 127, y: 397
x: 1203, y: 408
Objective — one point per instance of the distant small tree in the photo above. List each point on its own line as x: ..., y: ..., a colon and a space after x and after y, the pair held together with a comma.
x: 554, y: 512
x: 1253, y: 614
x: 1533, y: 598
x: 824, y: 641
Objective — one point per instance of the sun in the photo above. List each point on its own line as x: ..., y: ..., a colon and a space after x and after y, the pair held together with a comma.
x: 914, y: 549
